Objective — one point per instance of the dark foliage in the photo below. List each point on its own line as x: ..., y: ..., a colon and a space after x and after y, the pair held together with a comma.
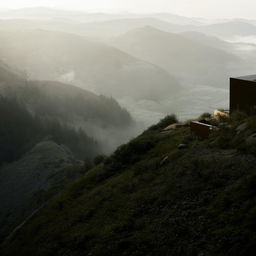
x: 168, y: 120
x: 20, y: 130
x: 150, y: 198
x: 46, y: 101
x: 99, y: 159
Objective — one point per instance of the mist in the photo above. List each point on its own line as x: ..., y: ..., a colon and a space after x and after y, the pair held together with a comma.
x: 87, y: 89
x: 152, y: 63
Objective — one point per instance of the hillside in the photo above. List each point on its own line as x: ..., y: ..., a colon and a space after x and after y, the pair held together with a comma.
x: 24, y: 182
x: 9, y: 76
x: 189, y: 60
x: 176, y: 19
x: 20, y: 130
x: 36, y: 153
x: 100, y: 117
x: 77, y: 60
x: 52, y: 14
x: 40, y: 13
x: 154, y: 196
x: 209, y: 40
x: 46, y: 128
x: 117, y: 27
x: 230, y: 29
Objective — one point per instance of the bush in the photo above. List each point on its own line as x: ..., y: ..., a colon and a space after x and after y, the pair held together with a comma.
x: 168, y: 120
x: 237, y: 117
x: 99, y: 159
x: 20, y: 131
x: 205, y: 115
x: 130, y: 153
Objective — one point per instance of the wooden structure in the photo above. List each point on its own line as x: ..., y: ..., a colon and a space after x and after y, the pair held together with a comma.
x: 243, y: 94
x: 201, y: 129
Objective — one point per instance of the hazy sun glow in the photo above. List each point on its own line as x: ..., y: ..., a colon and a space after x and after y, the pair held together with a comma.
x: 199, y: 8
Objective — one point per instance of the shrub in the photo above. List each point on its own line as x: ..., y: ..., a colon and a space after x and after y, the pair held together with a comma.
x: 168, y: 120
x: 237, y: 117
x: 99, y: 159
x: 205, y: 115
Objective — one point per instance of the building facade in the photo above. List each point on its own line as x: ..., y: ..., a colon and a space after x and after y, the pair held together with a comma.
x: 243, y: 94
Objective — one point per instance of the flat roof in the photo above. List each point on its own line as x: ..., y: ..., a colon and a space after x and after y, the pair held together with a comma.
x: 200, y: 123
x: 251, y: 78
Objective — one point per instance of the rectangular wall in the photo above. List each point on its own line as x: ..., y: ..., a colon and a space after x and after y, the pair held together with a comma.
x: 242, y: 96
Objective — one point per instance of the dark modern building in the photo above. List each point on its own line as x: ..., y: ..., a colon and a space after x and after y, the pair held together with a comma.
x: 243, y: 94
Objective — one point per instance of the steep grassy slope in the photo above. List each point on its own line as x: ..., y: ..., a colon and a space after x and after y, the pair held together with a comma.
x: 151, y: 198
x: 23, y: 180
x: 34, y: 153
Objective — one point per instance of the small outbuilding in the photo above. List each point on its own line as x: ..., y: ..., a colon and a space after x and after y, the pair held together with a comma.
x: 201, y: 129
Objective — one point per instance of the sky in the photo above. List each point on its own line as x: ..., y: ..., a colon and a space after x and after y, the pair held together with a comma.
x: 191, y: 8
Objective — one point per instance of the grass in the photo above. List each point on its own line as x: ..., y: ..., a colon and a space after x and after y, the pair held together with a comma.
x: 199, y: 201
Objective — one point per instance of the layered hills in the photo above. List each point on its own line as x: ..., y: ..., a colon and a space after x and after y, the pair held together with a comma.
x: 46, y: 128
x: 187, y: 59
x: 58, y: 56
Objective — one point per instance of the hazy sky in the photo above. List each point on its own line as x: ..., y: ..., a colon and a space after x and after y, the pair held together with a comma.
x: 199, y: 8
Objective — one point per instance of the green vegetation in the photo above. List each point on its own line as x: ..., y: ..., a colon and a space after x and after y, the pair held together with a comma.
x: 70, y: 106
x: 168, y: 120
x: 150, y: 198
x: 20, y: 131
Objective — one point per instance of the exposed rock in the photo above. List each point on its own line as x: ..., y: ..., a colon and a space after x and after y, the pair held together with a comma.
x: 241, y: 128
x: 251, y: 140
x: 176, y: 126
x: 164, y: 160
x: 182, y: 146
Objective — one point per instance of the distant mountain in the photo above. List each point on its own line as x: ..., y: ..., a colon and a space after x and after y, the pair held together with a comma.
x: 116, y: 27
x: 21, y: 24
x: 10, y: 76
x: 83, y: 16
x: 229, y: 29
x: 40, y: 13
x: 177, y: 19
x: 250, y: 21
x: 187, y: 59
x: 46, y: 55
x: 209, y: 40
x: 100, y: 117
